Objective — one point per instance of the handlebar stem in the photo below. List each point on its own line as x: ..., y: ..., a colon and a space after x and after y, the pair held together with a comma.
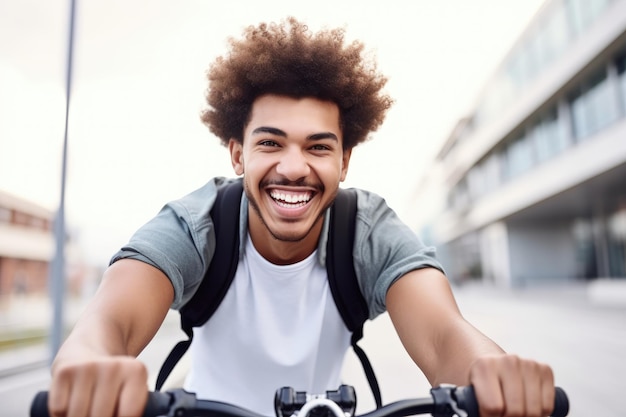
x: 320, y: 402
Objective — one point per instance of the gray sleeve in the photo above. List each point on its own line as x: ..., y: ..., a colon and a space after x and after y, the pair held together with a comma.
x: 385, y: 249
x: 179, y: 241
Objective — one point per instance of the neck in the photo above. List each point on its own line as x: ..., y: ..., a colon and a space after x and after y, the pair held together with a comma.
x: 283, y: 252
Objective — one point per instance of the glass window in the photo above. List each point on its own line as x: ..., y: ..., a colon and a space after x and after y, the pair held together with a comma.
x: 475, y: 182
x: 597, y: 6
x: 492, y: 172
x: 582, y: 13
x: 519, y: 157
x: 577, y: 15
x: 601, y: 102
x: 515, y: 72
x: 554, y: 36
x: 557, y: 134
x: 582, y: 231
x: 579, y: 115
x: 459, y: 197
x: 621, y: 71
x: 527, y: 62
x: 542, y: 142
x: 548, y: 137
x: 622, y: 91
x: 617, y: 243
x: 593, y: 107
x: 534, y: 57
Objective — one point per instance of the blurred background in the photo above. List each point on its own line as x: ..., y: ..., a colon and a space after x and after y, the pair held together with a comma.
x: 505, y: 149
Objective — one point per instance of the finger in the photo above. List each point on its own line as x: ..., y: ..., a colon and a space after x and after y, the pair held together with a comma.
x: 107, y: 389
x: 547, y: 390
x: 81, y: 392
x: 531, y: 375
x: 133, y: 395
x: 487, y: 388
x: 58, y: 396
x: 104, y: 401
x: 512, y: 386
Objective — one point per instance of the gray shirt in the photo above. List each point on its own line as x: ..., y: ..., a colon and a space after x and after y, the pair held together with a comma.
x: 180, y: 241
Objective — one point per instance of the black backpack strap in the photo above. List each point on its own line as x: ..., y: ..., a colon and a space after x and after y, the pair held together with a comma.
x: 214, y: 285
x: 343, y: 281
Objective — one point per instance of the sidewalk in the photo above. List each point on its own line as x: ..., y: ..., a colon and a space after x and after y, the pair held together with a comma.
x: 598, y: 294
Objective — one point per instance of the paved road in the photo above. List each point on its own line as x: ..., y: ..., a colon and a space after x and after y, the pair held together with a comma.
x: 585, y: 344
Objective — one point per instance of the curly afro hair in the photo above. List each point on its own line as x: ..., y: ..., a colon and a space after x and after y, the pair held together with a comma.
x: 287, y: 59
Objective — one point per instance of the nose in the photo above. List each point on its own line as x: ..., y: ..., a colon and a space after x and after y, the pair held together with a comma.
x: 293, y: 165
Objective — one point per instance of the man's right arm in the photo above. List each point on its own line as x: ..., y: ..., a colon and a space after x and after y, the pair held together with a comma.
x: 95, y: 371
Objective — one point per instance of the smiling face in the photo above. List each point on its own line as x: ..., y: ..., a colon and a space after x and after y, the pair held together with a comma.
x: 292, y: 161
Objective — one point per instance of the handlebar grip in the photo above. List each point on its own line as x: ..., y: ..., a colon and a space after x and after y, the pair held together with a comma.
x: 158, y: 404
x: 39, y: 406
x: 561, y: 403
x: 466, y: 399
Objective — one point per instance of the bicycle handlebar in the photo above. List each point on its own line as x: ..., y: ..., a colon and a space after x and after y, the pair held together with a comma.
x: 445, y: 401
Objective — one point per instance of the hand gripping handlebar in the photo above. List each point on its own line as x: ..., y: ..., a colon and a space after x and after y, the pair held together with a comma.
x: 445, y: 401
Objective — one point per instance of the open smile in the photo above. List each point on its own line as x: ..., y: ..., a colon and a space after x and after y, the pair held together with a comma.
x: 291, y: 199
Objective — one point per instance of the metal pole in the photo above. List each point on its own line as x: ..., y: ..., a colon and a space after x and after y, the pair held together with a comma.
x: 57, y: 277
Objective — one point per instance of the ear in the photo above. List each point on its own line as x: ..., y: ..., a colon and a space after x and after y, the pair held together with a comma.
x: 236, y: 155
x: 345, y: 162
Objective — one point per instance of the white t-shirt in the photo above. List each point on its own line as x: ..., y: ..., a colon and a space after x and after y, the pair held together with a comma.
x: 277, y: 326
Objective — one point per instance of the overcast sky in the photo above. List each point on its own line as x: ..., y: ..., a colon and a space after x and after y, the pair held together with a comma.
x: 135, y: 139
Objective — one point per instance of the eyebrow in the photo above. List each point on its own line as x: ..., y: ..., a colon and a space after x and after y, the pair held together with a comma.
x: 279, y: 132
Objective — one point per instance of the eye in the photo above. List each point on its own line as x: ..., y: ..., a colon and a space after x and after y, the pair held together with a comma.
x: 320, y: 147
x: 268, y: 143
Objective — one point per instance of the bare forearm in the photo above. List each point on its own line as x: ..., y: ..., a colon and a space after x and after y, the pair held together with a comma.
x: 92, y: 337
x: 450, y: 350
x: 434, y: 333
x: 123, y: 316
x: 459, y: 348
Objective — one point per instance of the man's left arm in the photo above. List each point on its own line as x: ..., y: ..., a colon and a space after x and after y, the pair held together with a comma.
x: 448, y: 349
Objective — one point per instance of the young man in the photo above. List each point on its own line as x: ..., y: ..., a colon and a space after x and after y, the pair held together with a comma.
x: 290, y: 105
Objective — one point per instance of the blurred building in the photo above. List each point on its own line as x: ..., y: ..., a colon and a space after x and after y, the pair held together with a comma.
x: 532, y: 183
x: 26, y: 250
x: 26, y: 246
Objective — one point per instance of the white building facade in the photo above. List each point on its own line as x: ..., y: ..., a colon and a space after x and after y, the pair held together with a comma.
x: 534, y: 179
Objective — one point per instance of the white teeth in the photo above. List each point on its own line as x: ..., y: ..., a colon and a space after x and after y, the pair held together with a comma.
x: 290, y: 198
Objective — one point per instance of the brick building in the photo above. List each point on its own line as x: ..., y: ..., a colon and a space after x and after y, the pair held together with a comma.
x: 26, y: 246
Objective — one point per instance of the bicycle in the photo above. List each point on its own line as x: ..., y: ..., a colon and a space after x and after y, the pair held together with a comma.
x: 444, y: 401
